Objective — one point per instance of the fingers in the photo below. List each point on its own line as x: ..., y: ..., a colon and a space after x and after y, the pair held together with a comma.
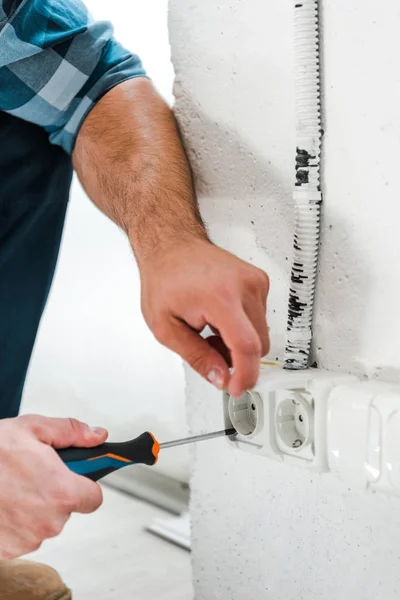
x: 216, y: 342
x: 256, y: 312
x: 195, y: 350
x: 240, y: 319
x: 238, y: 335
x: 248, y: 346
x: 244, y: 339
x: 244, y: 344
x: 61, y: 433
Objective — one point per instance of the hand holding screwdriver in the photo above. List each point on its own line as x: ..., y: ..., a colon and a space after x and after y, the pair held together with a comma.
x: 95, y: 463
x: 37, y: 493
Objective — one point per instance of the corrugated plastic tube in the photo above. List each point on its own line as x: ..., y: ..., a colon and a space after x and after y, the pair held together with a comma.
x: 307, y: 193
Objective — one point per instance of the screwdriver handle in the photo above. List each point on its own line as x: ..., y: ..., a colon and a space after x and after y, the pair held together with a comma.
x: 95, y: 463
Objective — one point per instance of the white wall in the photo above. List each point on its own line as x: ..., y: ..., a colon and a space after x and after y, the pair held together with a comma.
x: 95, y: 359
x: 260, y: 530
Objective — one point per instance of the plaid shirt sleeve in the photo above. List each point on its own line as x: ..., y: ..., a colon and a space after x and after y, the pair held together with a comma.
x: 56, y: 63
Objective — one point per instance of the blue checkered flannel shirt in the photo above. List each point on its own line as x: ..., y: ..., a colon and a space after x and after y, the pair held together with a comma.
x: 56, y: 62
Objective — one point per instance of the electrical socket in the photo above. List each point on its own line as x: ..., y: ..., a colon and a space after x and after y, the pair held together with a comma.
x: 284, y: 416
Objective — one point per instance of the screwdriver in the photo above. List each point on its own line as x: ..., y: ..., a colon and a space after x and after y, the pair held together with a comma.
x: 95, y: 463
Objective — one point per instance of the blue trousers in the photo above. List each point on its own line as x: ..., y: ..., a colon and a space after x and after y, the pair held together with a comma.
x: 35, y: 179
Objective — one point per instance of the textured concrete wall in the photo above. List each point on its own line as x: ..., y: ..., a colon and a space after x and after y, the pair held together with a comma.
x: 260, y: 530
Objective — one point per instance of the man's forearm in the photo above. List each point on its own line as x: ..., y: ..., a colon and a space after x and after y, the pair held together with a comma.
x: 131, y: 162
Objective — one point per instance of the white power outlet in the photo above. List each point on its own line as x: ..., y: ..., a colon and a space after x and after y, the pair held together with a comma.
x: 295, y: 423
x: 322, y: 421
x: 285, y: 416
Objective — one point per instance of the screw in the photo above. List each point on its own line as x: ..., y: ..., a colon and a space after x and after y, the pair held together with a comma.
x: 301, y: 418
x: 297, y: 444
x: 253, y: 407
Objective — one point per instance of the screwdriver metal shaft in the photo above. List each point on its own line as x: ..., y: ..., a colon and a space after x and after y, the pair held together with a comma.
x: 198, y: 438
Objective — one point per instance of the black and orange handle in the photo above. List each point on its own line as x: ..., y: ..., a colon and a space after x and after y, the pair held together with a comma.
x: 95, y: 463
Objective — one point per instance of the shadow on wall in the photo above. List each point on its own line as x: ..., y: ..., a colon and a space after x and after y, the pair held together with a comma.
x: 340, y: 320
x: 255, y: 194
x: 241, y: 190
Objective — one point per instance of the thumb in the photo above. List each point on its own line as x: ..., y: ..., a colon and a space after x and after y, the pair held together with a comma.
x: 61, y: 433
x: 87, y: 494
x: 198, y: 353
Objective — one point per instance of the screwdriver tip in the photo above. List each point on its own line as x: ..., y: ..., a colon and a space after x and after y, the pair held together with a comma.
x: 230, y: 432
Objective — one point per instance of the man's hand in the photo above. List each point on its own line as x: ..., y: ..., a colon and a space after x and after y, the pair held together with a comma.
x: 37, y: 491
x: 195, y: 284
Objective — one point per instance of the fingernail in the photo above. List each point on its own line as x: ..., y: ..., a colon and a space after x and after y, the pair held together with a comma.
x: 216, y: 377
x: 97, y: 430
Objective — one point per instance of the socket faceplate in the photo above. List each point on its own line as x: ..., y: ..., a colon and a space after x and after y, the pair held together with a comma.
x: 289, y: 423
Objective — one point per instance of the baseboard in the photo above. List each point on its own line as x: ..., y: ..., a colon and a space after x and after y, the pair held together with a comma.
x: 149, y: 485
x: 175, y: 530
